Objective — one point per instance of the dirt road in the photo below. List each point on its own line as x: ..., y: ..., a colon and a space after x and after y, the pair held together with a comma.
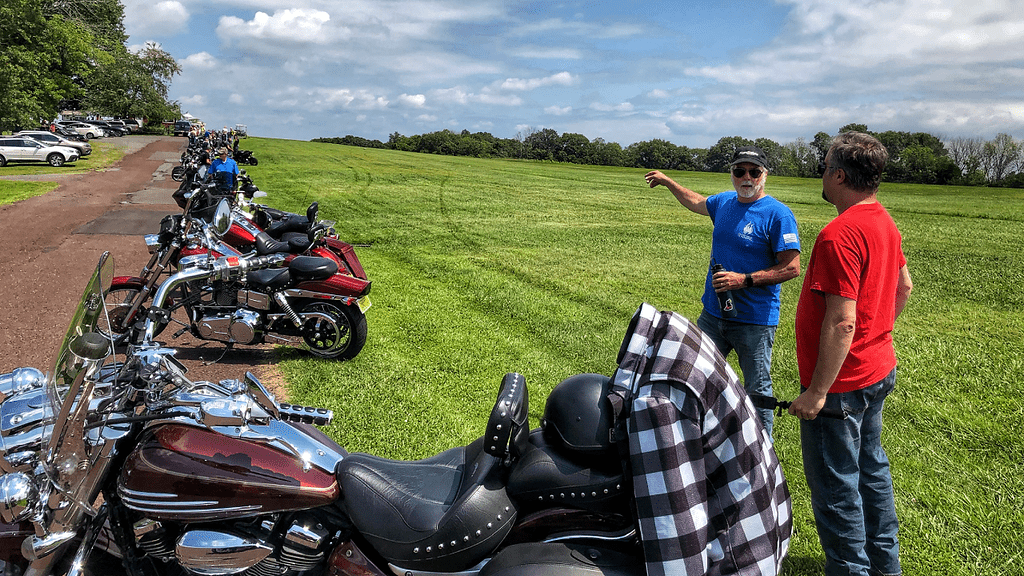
x: 51, y: 243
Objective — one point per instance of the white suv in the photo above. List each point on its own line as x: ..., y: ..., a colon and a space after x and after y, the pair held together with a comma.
x: 84, y: 148
x: 15, y: 149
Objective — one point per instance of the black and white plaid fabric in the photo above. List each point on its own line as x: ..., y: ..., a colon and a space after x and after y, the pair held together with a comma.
x: 710, y: 494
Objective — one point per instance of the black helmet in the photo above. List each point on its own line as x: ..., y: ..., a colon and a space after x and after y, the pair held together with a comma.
x: 577, y: 414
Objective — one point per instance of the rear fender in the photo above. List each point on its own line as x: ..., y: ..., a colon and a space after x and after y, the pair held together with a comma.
x: 347, y: 253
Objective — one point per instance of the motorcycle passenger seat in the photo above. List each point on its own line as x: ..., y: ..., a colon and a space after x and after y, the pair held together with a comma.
x: 445, y: 513
x: 550, y: 477
x: 266, y: 245
x: 312, y: 268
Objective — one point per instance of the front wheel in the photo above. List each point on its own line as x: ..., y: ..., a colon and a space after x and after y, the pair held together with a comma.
x: 333, y: 332
x: 178, y: 173
x: 119, y: 299
x: 253, y: 161
x: 55, y: 160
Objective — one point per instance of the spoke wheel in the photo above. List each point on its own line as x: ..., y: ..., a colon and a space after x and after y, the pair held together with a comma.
x: 119, y: 302
x: 333, y: 332
x: 55, y: 160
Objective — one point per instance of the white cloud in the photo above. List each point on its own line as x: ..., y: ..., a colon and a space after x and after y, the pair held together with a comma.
x: 163, y: 19
x: 292, y: 25
x: 560, y: 79
x: 412, y: 100
x: 194, y: 100
x: 623, y: 107
x: 236, y: 99
x: 557, y: 110
x: 200, y: 60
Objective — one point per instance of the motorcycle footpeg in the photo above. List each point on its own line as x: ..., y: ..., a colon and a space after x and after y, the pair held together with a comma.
x: 306, y: 414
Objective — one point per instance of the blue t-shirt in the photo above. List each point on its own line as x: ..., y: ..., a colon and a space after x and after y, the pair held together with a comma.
x: 229, y: 166
x: 745, y: 239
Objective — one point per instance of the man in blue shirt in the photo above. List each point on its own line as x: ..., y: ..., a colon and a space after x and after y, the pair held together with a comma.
x: 227, y: 166
x: 755, y: 239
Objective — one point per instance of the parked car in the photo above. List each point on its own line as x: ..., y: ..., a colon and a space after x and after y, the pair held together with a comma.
x: 87, y: 130
x: 133, y: 124
x: 182, y: 127
x: 68, y: 133
x: 120, y: 125
x: 52, y: 139
x: 108, y: 130
x: 17, y: 149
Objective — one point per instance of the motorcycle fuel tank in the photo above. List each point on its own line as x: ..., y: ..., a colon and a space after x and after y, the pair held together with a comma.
x: 185, y: 473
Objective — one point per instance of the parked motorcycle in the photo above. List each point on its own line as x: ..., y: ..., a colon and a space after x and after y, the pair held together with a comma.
x: 244, y: 157
x: 128, y: 467
x: 319, y: 300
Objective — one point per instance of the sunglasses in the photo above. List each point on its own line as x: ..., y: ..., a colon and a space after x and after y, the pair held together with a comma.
x: 755, y: 173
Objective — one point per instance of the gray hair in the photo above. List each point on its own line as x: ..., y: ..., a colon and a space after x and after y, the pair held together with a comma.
x: 861, y: 156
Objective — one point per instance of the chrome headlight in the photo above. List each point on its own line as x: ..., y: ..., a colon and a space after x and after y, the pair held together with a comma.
x: 19, y: 497
x: 153, y: 242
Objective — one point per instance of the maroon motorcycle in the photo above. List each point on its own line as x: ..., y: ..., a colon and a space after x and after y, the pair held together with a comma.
x: 318, y: 301
x: 125, y: 466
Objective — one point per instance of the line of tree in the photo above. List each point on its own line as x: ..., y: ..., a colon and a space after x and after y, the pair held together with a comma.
x: 72, y: 55
x: 915, y: 157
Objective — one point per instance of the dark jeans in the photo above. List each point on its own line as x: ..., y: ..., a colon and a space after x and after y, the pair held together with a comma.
x: 753, y: 344
x: 851, y: 488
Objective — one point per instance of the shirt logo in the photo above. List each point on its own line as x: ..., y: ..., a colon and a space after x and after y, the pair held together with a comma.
x: 749, y: 228
x: 790, y: 238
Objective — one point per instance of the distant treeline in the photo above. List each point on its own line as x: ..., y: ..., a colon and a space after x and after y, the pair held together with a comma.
x: 914, y: 157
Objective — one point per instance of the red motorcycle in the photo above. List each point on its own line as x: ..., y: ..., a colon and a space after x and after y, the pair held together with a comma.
x: 319, y: 300
x: 128, y: 467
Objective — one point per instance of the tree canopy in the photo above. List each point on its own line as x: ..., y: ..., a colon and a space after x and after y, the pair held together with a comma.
x: 71, y: 53
x: 914, y: 156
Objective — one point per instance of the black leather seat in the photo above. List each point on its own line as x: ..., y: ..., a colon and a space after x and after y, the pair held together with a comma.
x: 547, y: 477
x: 269, y: 279
x: 312, y: 268
x: 448, y: 512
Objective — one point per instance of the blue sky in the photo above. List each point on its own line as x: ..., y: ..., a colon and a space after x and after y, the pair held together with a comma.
x: 689, y: 72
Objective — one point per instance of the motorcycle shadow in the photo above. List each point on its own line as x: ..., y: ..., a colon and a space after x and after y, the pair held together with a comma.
x: 214, y: 361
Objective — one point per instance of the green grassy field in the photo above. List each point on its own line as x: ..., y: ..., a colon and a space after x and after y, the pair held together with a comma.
x: 482, y: 267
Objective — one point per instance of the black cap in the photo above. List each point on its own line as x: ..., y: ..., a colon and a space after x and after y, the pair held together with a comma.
x: 751, y: 154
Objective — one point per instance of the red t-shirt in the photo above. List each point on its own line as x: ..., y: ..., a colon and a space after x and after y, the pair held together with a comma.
x: 858, y: 256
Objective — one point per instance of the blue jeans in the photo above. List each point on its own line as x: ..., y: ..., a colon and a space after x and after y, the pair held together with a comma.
x: 753, y: 344
x: 847, y: 471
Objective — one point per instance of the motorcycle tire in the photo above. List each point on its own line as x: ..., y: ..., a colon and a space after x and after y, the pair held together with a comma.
x: 253, y: 161
x: 333, y: 332
x: 178, y: 173
x: 118, y: 301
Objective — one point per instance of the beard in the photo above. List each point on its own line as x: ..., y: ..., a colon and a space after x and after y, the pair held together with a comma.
x: 744, y: 192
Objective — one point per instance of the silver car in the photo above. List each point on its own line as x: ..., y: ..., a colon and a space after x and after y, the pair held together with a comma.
x: 16, y: 149
x: 84, y: 148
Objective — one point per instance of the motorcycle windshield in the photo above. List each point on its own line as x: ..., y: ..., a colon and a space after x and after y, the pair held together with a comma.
x: 71, y: 390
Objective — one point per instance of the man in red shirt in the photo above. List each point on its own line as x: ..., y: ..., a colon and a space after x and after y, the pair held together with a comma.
x: 856, y: 285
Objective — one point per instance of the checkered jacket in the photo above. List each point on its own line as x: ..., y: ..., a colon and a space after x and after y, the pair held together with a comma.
x: 711, y: 498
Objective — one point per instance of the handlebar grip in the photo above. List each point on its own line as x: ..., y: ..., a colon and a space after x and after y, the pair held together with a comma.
x: 830, y: 413
x: 306, y: 414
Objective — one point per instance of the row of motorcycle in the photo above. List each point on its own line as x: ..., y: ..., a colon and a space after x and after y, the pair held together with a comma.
x: 317, y: 300
x: 118, y: 464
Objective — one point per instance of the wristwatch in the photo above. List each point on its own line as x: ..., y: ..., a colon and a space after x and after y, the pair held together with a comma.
x: 749, y: 281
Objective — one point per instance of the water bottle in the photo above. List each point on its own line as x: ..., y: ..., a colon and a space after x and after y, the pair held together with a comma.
x: 725, y: 299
